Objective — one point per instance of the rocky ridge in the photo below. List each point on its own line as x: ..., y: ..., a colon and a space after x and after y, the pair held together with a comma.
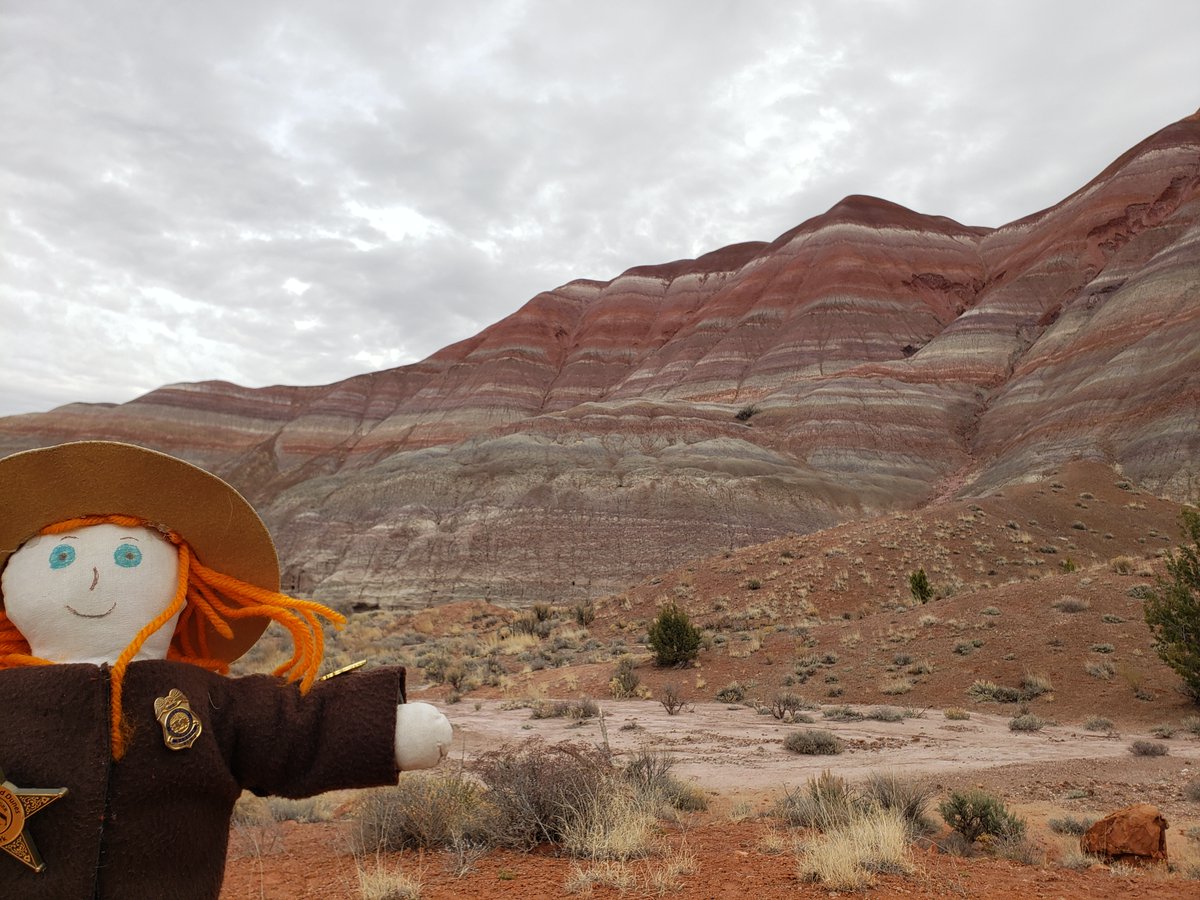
x: 870, y: 359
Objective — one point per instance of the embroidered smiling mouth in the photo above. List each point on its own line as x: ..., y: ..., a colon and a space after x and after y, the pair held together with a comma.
x: 76, y: 612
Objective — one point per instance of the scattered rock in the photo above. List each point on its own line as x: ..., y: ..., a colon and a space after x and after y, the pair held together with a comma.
x: 1136, y: 833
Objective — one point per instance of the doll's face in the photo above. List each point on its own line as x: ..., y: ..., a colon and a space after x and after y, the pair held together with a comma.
x: 84, y: 595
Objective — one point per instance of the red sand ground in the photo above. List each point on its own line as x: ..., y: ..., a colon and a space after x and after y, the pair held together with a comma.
x: 844, y: 592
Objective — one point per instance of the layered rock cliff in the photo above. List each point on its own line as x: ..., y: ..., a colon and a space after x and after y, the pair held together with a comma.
x: 870, y: 358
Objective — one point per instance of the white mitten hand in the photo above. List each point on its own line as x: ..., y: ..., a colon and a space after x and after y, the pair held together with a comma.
x: 423, y: 736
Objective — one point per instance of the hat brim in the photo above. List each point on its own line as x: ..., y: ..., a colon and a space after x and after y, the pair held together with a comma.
x: 85, y: 478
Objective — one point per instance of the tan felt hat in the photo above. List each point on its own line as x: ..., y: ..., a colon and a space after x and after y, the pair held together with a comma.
x: 86, y: 478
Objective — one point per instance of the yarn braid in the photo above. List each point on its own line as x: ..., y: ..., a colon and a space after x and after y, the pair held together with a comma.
x: 206, y: 600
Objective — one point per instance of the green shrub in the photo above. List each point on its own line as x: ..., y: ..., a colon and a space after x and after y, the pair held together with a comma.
x: 974, y: 813
x: 673, y: 638
x: 1027, y: 722
x: 919, y: 586
x: 813, y: 742
x: 1097, y: 723
x: 1173, y: 611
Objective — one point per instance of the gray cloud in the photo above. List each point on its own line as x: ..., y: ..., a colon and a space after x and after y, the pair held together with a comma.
x: 297, y: 192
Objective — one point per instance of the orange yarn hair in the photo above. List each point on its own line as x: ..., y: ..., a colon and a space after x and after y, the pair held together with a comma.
x: 206, y: 597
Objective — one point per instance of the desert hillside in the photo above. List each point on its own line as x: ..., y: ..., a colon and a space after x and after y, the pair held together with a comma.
x: 871, y: 360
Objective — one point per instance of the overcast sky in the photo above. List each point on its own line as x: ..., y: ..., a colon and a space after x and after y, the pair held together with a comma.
x: 295, y: 192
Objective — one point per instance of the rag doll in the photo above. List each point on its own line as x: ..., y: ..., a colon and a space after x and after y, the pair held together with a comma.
x: 129, y: 581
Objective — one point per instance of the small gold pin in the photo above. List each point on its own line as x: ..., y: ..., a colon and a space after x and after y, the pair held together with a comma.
x: 343, y: 670
x: 180, y: 725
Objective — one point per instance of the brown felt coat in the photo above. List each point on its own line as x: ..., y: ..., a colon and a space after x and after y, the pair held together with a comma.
x: 156, y: 823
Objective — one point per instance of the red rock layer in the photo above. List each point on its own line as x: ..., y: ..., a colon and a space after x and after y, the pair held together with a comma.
x: 880, y: 358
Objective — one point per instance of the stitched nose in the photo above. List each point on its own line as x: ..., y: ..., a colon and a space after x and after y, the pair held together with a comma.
x: 95, y: 578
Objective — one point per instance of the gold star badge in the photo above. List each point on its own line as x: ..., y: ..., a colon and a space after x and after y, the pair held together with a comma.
x: 17, y: 805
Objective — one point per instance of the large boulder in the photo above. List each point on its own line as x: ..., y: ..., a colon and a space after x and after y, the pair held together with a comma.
x: 1136, y: 833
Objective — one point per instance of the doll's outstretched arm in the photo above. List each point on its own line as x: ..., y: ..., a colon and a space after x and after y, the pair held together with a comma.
x: 423, y: 736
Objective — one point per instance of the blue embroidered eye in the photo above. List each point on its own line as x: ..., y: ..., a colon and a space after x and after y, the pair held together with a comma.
x: 127, y: 556
x: 62, y: 556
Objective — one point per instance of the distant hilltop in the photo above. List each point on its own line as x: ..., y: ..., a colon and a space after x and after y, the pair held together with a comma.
x: 871, y: 359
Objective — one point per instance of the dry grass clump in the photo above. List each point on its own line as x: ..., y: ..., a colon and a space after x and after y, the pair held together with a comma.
x: 1070, y: 604
x: 524, y: 794
x: 910, y: 797
x: 983, y: 690
x: 849, y: 856
x: 536, y: 788
x: 1148, y: 748
x: 613, y: 824
x: 1032, y: 686
x: 894, y: 686
x: 956, y: 713
x: 1072, y: 857
x: 824, y: 802
x: 734, y: 692
x: 1071, y: 824
x: 1102, y: 669
x: 625, y: 682
x: 1122, y: 565
x: 659, y: 877
x: 650, y: 775
x: 842, y: 714
x: 441, y: 809
x: 1027, y: 722
x: 382, y: 882
x: 828, y: 801
x: 575, y: 710
x: 1097, y: 723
